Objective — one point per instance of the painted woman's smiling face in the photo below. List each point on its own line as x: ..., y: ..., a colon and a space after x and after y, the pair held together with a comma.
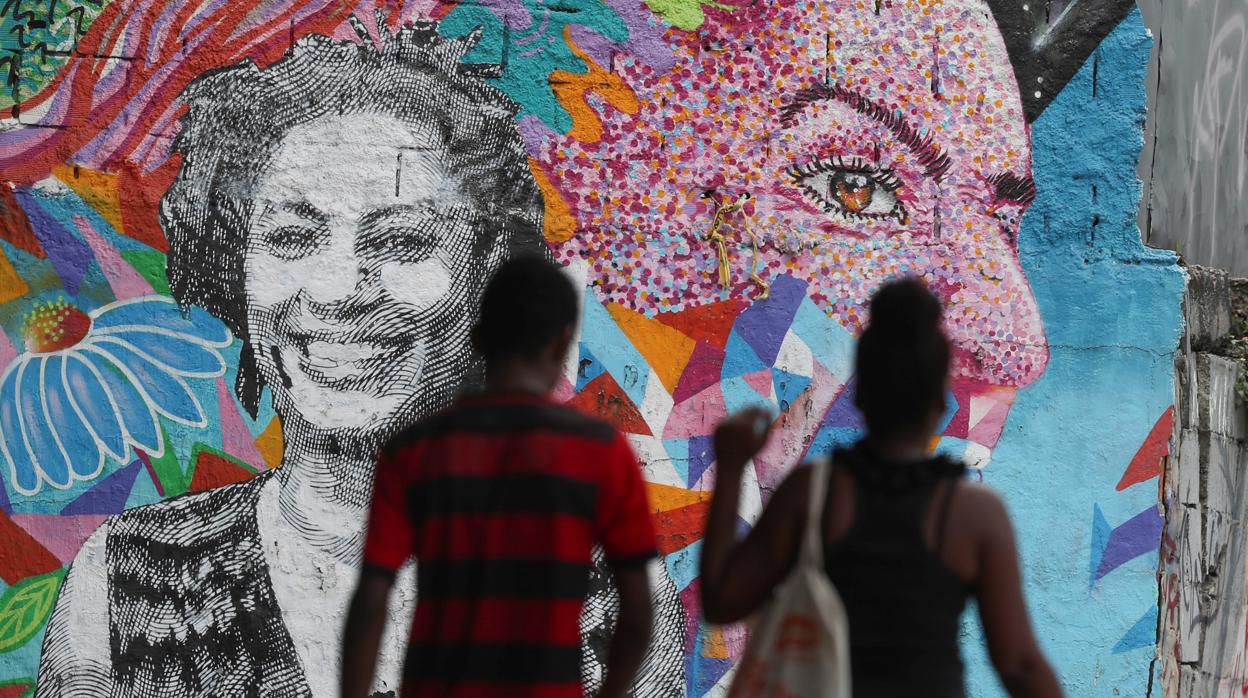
x: 875, y: 139
x: 356, y: 273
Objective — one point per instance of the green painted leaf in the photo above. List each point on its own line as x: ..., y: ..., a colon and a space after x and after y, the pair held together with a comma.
x: 24, y: 608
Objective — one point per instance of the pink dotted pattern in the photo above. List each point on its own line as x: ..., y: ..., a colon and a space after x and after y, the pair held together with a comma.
x: 875, y: 140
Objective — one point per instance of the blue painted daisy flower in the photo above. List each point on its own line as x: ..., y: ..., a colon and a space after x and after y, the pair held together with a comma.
x: 95, y: 386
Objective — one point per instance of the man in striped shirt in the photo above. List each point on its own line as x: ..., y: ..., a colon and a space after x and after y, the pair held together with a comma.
x: 501, y: 499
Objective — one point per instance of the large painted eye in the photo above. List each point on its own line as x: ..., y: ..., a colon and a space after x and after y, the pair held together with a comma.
x: 851, y: 187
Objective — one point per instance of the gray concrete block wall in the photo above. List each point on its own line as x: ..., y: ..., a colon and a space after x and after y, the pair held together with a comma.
x: 1204, y: 564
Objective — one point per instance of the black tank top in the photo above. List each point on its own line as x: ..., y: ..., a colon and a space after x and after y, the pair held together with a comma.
x: 904, y: 605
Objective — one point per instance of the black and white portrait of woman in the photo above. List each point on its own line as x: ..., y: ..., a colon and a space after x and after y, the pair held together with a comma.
x: 340, y: 211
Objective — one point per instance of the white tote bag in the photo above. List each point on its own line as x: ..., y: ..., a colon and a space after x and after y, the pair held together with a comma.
x: 799, y: 643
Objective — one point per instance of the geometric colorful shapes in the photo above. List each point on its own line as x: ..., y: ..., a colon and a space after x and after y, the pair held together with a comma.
x: 827, y: 339
x: 698, y: 415
x: 702, y: 371
x: 603, y: 398
x: 668, y: 497
x: 97, y: 189
x: 679, y: 528
x: 788, y: 386
x: 212, y: 470
x: 740, y: 358
x: 12, y: 285
x: 270, y: 443
x: 106, y: 497
x: 122, y: 278
x: 682, y: 564
x: 740, y: 394
x: 16, y: 688
x: 990, y: 407
x: 763, y: 325
x: 794, y: 356
x: 1146, y: 464
x: 1100, y: 538
x: 1139, y: 535
x: 609, y: 345
x: 844, y: 414
x: 709, y: 323
x: 587, y: 369
x: 760, y: 381
x: 665, y: 349
x: 21, y: 555
x: 61, y: 535
x: 151, y: 265
x: 15, y: 227
x: 1142, y: 634
x: 236, y: 438
x: 701, y: 456
x: 70, y: 256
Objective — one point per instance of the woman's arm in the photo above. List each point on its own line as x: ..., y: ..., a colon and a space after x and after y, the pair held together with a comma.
x: 737, y: 576
x: 1011, y: 644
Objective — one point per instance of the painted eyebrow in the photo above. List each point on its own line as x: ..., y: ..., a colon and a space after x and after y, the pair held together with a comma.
x: 935, y: 162
x: 384, y: 212
x: 306, y: 211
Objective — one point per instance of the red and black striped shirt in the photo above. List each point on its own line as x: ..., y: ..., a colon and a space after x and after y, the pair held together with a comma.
x: 500, y: 499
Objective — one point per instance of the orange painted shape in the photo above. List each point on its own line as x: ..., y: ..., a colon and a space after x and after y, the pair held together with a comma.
x: 708, y: 323
x: 12, y: 285
x: 98, y: 189
x: 559, y: 224
x: 666, y: 349
x: 212, y: 470
x: 570, y: 88
x: 1146, y: 464
x: 605, y: 399
x: 666, y: 497
x: 270, y: 443
x: 715, y: 647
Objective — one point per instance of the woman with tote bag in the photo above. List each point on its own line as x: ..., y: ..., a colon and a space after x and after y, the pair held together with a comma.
x: 903, y: 538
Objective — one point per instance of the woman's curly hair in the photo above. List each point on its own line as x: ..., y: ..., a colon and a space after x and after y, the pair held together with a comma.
x: 238, y: 116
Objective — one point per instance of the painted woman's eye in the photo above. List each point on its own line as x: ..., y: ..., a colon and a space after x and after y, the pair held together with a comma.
x: 850, y: 186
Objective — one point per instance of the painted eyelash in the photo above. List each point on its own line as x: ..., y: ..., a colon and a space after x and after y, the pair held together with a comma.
x: 883, y: 176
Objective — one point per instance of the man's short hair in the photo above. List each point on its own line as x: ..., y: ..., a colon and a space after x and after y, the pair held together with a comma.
x: 237, y: 117
x: 527, y: 304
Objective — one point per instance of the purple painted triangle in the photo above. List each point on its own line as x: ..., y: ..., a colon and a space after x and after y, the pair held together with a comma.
x: 70, y: 256
x: 5, y: 506
x: 764, y: 324
x: 1140, y: 535
x: 701, y: 455
x: 702, y: 371
x: 843, y: 413
x: 108, y: 496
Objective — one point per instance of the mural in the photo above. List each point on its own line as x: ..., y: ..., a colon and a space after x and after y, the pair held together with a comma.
x: 241, y: 243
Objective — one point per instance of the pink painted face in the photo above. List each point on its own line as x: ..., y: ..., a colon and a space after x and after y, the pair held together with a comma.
x: 873, y: 141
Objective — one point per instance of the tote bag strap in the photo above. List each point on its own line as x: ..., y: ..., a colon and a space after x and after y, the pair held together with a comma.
x: 812, y: 538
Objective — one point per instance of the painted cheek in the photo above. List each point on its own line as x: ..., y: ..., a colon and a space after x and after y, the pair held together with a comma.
x: 271, y: 280
x: 422, y: 285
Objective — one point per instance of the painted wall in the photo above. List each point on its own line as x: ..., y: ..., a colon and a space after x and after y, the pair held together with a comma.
x: 324, y: 189
x: 1195, y: 161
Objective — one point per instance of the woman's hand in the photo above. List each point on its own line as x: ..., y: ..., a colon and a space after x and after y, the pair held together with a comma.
x: 739, y: 437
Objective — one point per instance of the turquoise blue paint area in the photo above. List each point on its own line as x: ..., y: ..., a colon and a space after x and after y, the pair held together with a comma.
x: 527, y: 37
x: 1111, y: 312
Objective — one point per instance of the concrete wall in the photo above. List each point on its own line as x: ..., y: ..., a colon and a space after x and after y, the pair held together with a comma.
x: 1204, y: 632
x: 324, y: 195
x: 1195, y: 161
